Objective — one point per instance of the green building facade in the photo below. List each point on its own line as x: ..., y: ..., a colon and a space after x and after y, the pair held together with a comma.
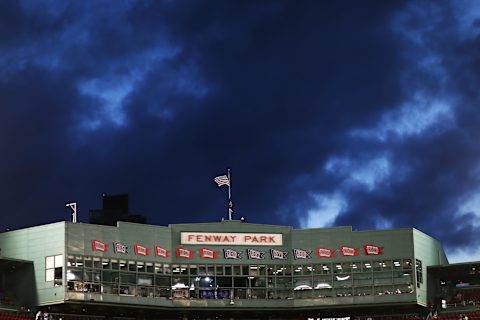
x: 229, y: 265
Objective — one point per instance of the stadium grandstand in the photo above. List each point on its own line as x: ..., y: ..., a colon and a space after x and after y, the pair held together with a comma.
x: 230, y: 270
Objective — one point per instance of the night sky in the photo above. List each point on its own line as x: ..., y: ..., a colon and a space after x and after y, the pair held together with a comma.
x: 329, y: 113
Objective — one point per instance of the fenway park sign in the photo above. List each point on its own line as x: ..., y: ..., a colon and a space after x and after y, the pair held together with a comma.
x: 231, y: 239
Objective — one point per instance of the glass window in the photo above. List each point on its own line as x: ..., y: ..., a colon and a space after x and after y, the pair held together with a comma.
x: 346, y: 267
x: 342, y: 280
x: 240, y: 282
x: 407, y: 264
x: 123, y: 265
x: 387, y: 265
x: 129, y: 278
x: 377, y: 265
x: 363, y: 279
x: 210, y: 270
x: 356, y: 267
x: 54, y: 269
x: 326, y: 268
x: 96, y: 276
x: 50, y: 274
x: 224, y: 281
x: 271, y: 270
x: 245, y: 270
x: 367, y: 266
x: 88, y: 262
x: 114, y: 264
x: 110, y: 276
x: 71, y: 261
x: 298, y: 270
x: 317, y: 269
x: 322, y: 282
x: 284, y: 282
x: 97, y: 264
x: 228, y: 270
x: 193, y: 270
x: 59, y: 260
x: 308, y: 269
x: 132, y: 266
x: 384, y: 277
x: 162, y: 281
x: 202, y: 270
x: 149, y: 267
x: 262, y: 270
x: 236, y: 270
x: 105, y: 264
x: 419, y: 271
x: 50, y: 262
x: 145, y: 280
x: 219, y: 270
x: 302, y: 283
x: 79, y: 261
x: 184, y: 269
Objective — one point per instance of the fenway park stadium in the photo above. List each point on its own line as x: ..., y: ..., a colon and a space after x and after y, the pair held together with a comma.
x: 230, y: 270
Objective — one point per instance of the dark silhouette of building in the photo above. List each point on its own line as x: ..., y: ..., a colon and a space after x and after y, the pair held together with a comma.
x: 115, y: 208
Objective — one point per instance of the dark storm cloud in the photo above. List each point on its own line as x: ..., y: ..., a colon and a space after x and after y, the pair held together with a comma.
x: 343, y: 113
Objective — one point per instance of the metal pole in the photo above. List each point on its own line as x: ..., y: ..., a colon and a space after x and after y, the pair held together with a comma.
x: 229, y: 195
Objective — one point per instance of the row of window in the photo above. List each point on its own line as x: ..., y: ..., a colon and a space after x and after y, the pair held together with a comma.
x: 219, y: 292
x: 226, y: 269
x: 108, y: 276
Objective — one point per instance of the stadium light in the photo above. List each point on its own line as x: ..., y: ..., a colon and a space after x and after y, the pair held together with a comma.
x: 73, y: 206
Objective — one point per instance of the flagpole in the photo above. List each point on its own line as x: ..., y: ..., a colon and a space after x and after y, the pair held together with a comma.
x: 229, y: 195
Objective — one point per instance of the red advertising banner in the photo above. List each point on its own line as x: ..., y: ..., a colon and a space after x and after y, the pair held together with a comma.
x: 348, y: 251
x: 208, y: 254
x: 184, y: 253
x: 162, y: 252
x: 141, y: 250
x: 370, y: 249
x: 98, y: 245
x: 325, y: 253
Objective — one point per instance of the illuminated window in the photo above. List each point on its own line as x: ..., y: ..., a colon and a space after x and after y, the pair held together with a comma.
x: 54, y: 269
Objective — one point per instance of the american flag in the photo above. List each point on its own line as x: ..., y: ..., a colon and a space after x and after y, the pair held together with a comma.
x: 222, y: 180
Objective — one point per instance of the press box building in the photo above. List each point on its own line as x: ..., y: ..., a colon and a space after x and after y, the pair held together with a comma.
x: 225, y: 269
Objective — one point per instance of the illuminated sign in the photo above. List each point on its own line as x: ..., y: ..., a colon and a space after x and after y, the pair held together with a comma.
x: 235, y: 239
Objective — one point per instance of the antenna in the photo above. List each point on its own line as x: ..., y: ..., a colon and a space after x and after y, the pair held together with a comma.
x: 73, y: 206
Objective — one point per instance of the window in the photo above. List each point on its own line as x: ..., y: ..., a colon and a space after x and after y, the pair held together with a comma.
x: 54, y: 269
x: 419, y: 270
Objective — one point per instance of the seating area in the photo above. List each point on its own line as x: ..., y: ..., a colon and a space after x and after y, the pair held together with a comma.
x: 456, y: 316
x: 14, y: 316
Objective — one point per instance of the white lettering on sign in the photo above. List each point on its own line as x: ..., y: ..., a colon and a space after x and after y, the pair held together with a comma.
x: 235, y: 239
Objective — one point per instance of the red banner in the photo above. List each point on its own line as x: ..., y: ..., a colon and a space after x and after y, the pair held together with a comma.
x: 141, y: 250
x: 348, y: 251
x: 98, y: 245
x: 325, y: 253
x: 208, y: 254
x: 184, y: 253
x: 370, y: 249
x: 162, y: 252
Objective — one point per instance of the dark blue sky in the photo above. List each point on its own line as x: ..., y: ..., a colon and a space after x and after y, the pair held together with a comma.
x: 361, y: 113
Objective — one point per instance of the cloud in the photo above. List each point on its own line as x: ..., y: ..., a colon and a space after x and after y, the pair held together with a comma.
x: 328, y: 114
x: 368, y: 173
x: 415, y: 118
x: 326, y: 210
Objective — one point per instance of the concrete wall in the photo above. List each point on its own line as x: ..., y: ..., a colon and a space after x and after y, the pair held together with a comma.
x: 34, y: 244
